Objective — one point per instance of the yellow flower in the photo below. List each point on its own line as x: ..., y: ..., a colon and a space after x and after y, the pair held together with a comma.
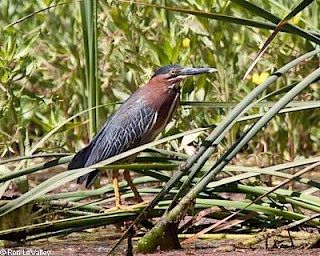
x: 256, y: 78
x: 264, y: 76
x: 186, y: 43
x: 259, y: 78
x: 296, y: 20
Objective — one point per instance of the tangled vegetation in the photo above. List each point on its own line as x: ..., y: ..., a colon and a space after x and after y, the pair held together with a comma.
x: 65, y: 69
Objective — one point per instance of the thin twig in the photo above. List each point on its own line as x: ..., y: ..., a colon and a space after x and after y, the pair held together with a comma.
x: 36, y: 12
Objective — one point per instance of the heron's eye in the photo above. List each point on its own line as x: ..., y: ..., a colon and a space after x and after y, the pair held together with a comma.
x: 173, y: 72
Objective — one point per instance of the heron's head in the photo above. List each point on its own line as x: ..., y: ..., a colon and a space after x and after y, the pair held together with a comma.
x: 172, y: 75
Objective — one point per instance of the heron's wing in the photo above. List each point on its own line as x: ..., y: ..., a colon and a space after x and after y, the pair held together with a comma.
x: 126, y: 128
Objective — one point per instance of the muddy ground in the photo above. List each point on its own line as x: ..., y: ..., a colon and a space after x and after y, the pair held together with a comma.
x: 84, y: 249
x: 100, y: 243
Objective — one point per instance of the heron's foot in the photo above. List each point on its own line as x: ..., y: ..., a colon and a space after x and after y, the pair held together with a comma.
x: 141, y: 204
x: 120, y: 207
x: 130, y: 208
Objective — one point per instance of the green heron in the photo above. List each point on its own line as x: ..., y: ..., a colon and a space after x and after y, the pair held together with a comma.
x: 137, y: 121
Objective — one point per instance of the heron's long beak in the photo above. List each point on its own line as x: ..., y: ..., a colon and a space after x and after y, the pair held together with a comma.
x: 185, y: 72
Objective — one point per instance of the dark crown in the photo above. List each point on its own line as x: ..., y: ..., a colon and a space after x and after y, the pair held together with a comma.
x: 166, y: 69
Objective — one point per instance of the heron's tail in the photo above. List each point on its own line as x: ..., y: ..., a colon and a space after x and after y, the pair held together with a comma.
x: 79, y: 161
x: 90, y: 177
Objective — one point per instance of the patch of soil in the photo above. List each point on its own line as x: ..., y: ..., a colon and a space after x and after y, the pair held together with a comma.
x: 94, y: 244
x: 99, y: 249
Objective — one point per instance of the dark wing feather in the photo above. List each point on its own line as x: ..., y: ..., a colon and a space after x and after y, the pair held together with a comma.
x: 128, y: 127
x: 79, y: 160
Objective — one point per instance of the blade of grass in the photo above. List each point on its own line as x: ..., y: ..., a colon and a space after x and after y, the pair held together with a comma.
x: 287, y: 28
x: 298, y: 174
x: 62, y: 178
x: 42, y: 155
x: 280, y: 25
x: 89, y: 29
x: 274, y: 19
x: 67, y: 159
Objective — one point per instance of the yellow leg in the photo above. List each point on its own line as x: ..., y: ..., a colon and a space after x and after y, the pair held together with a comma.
x: 115, y: 181
x: 127, y: 177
